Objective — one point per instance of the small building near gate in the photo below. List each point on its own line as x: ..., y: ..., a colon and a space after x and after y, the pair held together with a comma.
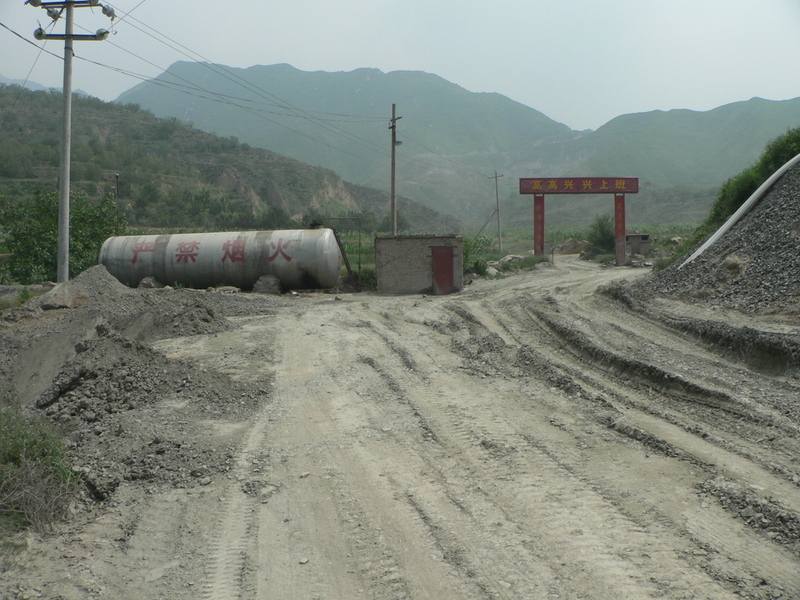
x: 638, y: 243
x: 420, y: 264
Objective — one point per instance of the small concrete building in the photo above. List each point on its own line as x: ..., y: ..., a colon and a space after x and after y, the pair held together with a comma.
x: 420, y: 264
x: 638, y: 243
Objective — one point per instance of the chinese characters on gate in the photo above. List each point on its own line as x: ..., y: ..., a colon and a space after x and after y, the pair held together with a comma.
x: 233, y: 251
x: 579, y: 185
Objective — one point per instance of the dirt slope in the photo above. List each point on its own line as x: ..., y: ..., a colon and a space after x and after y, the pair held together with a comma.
x: 528, y: 438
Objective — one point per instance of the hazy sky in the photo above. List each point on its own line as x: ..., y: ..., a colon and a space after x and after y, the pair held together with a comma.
x: 580, y: 62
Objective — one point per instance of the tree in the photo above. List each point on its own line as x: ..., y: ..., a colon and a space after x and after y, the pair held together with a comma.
x: 403, y: 224
x: 601, y: 234
x: 31, y: 235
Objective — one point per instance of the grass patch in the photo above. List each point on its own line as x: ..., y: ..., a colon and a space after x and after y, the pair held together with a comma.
x: 603, y: 258
x: 529, y: 262
x: 36, y: 481
x: 15, y: 300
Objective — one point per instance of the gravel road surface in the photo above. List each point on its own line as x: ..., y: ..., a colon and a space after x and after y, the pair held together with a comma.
x: 538, y: 436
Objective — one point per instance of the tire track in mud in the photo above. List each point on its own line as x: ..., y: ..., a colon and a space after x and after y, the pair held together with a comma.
x: 388, y: 459
x: 627, y: 385
x: 241, y: 354
x: 630, y: 390
x: 544, y: 490
x: 457, y: 448
x: 749, y: 399
x: 772, y: 563
x: 697, y: 527
x: 436, y: 492
x: 226, y: 573
x: 364, y: 505
x: 523, y: 487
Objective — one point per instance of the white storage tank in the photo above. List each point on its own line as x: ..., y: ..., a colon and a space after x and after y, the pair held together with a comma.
x: 299, y: 258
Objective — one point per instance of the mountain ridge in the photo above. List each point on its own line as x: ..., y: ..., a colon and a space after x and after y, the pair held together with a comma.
x: 454, y: 139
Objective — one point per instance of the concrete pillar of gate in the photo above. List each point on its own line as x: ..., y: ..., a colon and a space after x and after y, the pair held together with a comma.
x: 538, y: 224
x: 619, y: 228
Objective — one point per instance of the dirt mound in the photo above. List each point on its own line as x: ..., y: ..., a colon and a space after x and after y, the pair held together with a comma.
x: 753, y: 267
x: 118, y: 398
x: 126, y: 408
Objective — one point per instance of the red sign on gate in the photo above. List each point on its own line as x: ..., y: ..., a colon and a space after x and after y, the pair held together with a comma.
x: 579, y: 185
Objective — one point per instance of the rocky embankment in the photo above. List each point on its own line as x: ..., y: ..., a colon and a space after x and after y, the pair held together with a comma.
x: 754, y: 267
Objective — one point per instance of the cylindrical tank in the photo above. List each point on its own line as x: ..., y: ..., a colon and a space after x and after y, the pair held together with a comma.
x: 299, y: 258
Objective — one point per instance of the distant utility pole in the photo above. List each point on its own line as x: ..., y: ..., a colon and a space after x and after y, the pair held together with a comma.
x: 54, y: 11
x: 395, y: 143
x: 497, y: 210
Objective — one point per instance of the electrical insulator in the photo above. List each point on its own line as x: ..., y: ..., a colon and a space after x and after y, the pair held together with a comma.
x: 109, y: 12
x: 39, y: 34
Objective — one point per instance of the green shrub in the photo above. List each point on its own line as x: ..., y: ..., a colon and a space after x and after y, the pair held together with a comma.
x: 473, y: 248
x: 31, y: 232
x: 604, y: 258
x: 368, y: 278
x: 601, y: 234
x: 736, y: 190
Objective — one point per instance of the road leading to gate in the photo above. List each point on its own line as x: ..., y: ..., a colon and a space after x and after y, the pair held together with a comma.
x: 530, y: 437
x: 466, y: 447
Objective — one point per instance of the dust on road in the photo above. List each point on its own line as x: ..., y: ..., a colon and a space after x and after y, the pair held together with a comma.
x: 528, y: 438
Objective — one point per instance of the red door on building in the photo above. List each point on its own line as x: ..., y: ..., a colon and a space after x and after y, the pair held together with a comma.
x: 442, y: 261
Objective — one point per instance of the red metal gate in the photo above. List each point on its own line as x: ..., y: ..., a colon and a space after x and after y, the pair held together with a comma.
x: 619, y: 186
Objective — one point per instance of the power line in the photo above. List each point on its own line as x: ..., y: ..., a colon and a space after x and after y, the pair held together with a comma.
x: 294, y: 111
x: 227, y: 74
x: 10, y: 110
x: 67, y: 7
x: 215, y: 97
x: 253, y: 107
x: 127, y: 14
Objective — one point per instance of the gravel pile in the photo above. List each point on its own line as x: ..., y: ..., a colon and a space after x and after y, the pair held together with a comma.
x: 754, y: 267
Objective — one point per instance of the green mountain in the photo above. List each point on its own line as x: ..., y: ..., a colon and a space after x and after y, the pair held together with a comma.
x: 683, y: 147
x: 167, y: 174
x: 454, y: 140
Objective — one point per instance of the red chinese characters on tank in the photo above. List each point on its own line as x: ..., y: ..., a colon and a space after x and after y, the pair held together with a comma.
x: 234, y: 250
x: 187, y: 251
x: 142, y: 247
x: 280, y: 250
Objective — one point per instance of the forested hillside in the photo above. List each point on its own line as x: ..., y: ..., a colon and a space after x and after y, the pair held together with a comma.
x: 171, y: 175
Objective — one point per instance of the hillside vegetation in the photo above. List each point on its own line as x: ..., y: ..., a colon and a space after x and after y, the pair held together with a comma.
x: 736, y: 190
x: 171, y: 175
x: 454, y: 139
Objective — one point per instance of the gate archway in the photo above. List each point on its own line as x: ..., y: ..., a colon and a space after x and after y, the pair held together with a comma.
x: 540, y: 186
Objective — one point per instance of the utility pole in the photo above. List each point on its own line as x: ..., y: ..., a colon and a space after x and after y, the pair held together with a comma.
x: 395, y: 143
x: 54, y: 11
x: 497, y: 210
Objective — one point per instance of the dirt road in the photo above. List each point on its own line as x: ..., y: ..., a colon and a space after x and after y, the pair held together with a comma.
x: 526, y: 439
